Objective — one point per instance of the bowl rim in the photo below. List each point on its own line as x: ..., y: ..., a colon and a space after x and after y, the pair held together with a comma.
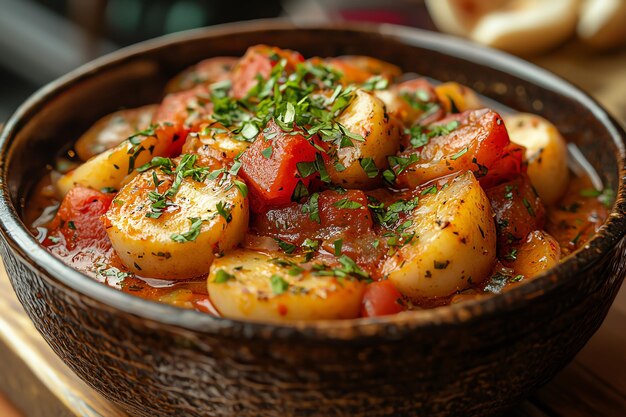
x: 38, y: 259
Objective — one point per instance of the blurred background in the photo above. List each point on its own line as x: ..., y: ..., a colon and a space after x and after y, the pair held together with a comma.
x: 582, y: 40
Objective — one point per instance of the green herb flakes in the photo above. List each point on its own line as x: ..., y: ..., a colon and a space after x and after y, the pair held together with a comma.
x: 278, y: 284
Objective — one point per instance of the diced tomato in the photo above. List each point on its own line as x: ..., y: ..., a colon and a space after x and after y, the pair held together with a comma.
x: 509, y: 166
x: 209, y: 71
x: 347, y: 210
x: 259, y: 61
x: 179, y: 114
x: 339, y: 214
x: 78, y: 218
x: 518, y: 211
x: 381, y: 298
x: 475, y: 145
x: 269, y: 166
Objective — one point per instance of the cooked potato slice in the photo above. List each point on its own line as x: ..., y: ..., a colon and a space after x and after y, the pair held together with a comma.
x: 538, y: 253
x: 112, y: 168
x: 214, y: 145
x: 201, y: 219
x: 454, y: 95
x: 245, y: 284
x: 546, y: 152
x: 365, y: 116
x: 454, y: 243
x: 111, y: 130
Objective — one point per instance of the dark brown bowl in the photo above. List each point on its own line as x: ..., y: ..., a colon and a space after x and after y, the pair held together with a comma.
x: 474, y: 358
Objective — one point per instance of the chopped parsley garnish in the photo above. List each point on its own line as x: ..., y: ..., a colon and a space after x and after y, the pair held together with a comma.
x: 338, y: 244
x: 390, y: 216
x: 166, y: 164
x: 508, y: 192
x: 191, y: 234
x: 285, y: 246
x: 420, y: 135
x: 267, y: 152
x: 222, y: 276
x: 186, y: 168
x: 517, y: 278
x: 135, y: 139
x: 113, y: 272
x: 430, y: 190
x: 306, y: 169
x: 346, y: 203
x: 224, y: 210
x: 511, y: 256
x: 389, y: 176
x: 299, y: 192
x: 309, y: 246
x: 606, y: 196
x: 243, y: 188
x: 459, y: 154
x: 369, y: 166
x: 529, y: 208
x: 400, y: 163
x: 321, y: 168
x: 312, y: 208
x: 250, y: 131
x: 278, y: 284
x: 348, y: 268
x: 375, y: 83
x: 419, y: 100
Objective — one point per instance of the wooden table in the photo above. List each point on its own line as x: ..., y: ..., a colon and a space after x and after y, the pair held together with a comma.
x: 593, y: 385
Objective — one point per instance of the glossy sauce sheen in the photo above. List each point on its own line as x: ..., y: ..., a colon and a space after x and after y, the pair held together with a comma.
x: 348, y: 223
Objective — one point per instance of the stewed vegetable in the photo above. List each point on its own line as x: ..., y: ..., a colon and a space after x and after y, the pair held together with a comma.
x: 274, y: 187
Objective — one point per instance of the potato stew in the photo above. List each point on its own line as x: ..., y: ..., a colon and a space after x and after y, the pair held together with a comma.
x: 273, y: 187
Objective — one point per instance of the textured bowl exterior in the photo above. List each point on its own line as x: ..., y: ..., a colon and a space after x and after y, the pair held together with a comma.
x: 475, y: 358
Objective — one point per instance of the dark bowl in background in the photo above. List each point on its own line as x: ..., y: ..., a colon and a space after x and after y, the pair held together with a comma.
x: 474, y: 358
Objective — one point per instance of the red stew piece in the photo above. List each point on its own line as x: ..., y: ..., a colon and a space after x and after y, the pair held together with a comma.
x: 506, y: 168
x: 179, y: 114
x: 78, y: 218
x: 339, y: 214
x: 381, y: 298
x: 259, y: 61
x: 518, y: 212
x: 269, y: 167
x: 478, y: 141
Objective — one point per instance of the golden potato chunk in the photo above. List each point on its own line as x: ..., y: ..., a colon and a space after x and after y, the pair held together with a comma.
x: 245, y: 284
x: 365, y: 116
x: 175, y: 236
x: 546, y: 152
x: 538, y: 253
x: 454, y: 243
x: 113, y: 129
